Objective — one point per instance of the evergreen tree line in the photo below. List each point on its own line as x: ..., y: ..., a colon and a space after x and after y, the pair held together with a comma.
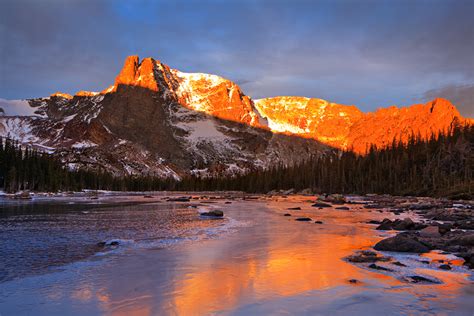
x: 24, y: 168
x: 441, y: 165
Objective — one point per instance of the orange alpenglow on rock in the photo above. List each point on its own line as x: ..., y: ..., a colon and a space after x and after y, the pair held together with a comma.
x: 346, y: 127
x: 61, y: 95
x: 340, y: 126
x: 138, y: 74
x: 83, y: 93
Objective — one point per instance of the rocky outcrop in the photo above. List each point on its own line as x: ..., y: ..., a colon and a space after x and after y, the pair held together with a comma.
x: 346, y: 127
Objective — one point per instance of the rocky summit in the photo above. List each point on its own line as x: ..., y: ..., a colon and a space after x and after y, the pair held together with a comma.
x: 163, y: 122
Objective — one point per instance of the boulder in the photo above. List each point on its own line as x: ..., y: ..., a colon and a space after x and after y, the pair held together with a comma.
x: 385, y: 225
x: 344, y: 208
x: 287, y: 214
x: 401, y: 243
x: 430, y: 231
x: 405, y: 224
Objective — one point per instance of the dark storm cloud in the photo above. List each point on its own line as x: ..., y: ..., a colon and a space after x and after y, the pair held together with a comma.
x: 368, y: 53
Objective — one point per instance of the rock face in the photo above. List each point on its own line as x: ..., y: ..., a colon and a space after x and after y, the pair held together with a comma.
x: 346, y: 127
x: 158, y: 121
x: 164, y: 122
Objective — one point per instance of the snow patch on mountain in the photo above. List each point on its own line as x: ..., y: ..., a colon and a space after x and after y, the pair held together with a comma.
x: 83, y: 144
x: 17, y: 108
x: 17, y: 128
x: 193, y: 87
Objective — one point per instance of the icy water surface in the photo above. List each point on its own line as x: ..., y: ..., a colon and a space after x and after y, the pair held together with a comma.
x: 171, y: 261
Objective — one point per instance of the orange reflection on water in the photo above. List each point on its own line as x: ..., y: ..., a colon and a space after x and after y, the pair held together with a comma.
x: 277, y: 258
x: 282, y: 268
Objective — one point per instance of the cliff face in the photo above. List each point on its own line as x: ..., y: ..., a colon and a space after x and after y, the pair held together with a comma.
x: 346, y: 127
x: 157, y: 120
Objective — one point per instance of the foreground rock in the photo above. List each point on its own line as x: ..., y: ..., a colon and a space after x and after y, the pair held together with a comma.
x: 366, y: 256
x: 460, y: 243
x: 401, y: 243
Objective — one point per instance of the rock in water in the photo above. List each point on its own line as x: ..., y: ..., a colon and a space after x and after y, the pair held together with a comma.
x: 377, y: 267
x: 303, y: 219
x: 321, y: 204
x: 445, y: 267
x: 420, y: 279
x: 401, y: 243
x: 215, y: 213
x: 430, y: 231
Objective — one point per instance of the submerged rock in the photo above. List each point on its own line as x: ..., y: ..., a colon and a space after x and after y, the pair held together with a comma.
x: 303, y: 219
x: 420, y: 279
x: 321, y: 204
x: 374, y: 222
x: 398, y: 263
x: 366, y: 256
x: 180, y: 199
x: 214, y: 213
x: 445, y: 267
x: 377, y: 267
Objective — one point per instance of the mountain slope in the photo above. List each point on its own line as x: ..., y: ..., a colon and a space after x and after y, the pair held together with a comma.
x: 346, y: 127
x: 157, y: 120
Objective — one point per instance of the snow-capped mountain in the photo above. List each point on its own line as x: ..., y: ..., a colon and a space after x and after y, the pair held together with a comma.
x: 157, y: 120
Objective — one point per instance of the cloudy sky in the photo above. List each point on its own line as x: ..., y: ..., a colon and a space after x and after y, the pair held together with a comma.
x: 362, y: 52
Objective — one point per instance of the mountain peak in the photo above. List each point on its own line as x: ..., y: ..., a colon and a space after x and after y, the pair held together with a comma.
x: 134, y: 73
x: 61, y: 95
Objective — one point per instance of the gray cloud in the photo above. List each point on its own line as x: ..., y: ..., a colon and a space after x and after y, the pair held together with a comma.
x: 369, y: 53
x: 461, y: 96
